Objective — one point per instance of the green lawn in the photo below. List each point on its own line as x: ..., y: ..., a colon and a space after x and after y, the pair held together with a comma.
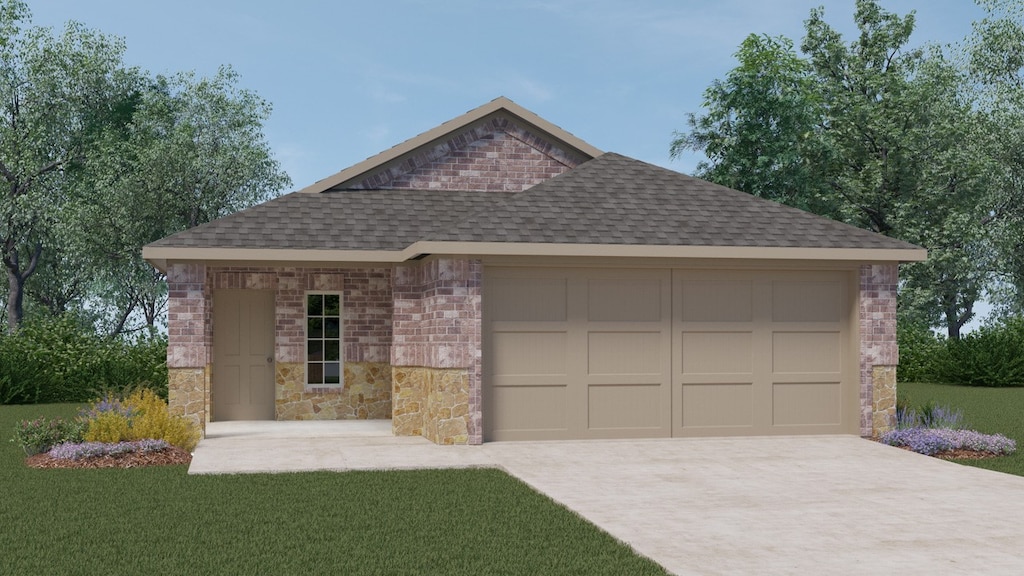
x: 989, y: 410
x: 162, y: 521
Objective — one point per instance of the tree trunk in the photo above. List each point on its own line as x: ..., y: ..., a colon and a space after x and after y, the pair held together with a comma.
x: 952, y: 329
x: 16, y: 285
x: 15, y: 298
x: 955, y: 321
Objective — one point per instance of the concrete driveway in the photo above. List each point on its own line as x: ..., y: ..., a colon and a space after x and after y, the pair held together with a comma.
x: 787, y: 505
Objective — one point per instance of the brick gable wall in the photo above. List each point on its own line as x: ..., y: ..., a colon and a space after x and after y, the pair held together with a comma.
x: 496, y: 156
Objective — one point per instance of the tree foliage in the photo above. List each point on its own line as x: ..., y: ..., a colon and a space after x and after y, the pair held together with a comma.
x: 887, y: 137
x: 55, y: 91
x: 100, y: 158
x: 192, y: 153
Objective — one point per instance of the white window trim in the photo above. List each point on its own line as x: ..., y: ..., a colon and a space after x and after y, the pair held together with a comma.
x: 341, y: 340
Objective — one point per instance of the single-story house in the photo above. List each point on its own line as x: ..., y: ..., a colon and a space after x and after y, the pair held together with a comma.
x: 497, y: 278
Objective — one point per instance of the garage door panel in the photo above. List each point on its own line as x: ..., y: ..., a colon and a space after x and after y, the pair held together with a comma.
x: 717, y: 300
x: 529, y: 408
x: 624, y: 353
x: 716, y: 352
x: 529, y: 300
x: 807, y: 301
x: 604, y: 353
x: 807, y: 404
x: 625, y: 300
x: 626, y: 407
x: 717, y: 405
x: 518, y: 353
x: 806, y: 352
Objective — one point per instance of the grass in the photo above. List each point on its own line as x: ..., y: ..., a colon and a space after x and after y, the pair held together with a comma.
x: 162, y: 521
x: 988, y: 410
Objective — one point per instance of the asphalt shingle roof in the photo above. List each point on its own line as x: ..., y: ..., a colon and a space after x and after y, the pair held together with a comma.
x: 345, y: 220
x: 611, y: 199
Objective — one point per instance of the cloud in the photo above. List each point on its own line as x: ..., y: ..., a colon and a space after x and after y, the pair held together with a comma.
x: 383, y: 95
x: 527, y: 88
x: 378, y: 134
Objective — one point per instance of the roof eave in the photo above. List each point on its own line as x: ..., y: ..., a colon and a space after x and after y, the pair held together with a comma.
x: 159, y: 256
x: 665, y: 251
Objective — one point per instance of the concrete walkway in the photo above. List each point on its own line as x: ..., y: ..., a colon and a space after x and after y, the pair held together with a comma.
x: 788, y: 505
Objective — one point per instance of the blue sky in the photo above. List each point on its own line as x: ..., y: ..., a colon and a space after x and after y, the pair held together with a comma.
x: 349, y: 79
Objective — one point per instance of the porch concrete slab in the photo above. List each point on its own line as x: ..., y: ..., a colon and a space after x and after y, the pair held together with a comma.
x: 259, y: 446
x: 770, y: 505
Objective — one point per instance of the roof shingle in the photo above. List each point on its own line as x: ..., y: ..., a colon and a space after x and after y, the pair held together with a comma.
x: 611, y: 200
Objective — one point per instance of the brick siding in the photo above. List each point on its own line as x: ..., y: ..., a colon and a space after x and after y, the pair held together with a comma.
x: 437, y: 324
x: 366, y: 306
x: 496, y: 156
x: 188, y: 317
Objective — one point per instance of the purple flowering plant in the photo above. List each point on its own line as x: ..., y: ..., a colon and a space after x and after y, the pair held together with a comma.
x: 106, y: 403
x: 79, y: 450
x: 933, y: 429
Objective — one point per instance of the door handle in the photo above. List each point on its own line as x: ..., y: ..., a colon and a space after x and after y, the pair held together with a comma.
x: 270, y: 359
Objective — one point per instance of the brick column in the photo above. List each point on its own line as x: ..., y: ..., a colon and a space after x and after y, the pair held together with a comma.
x: 188, y: 342
x: 436, y: 352
x: 879, y: 353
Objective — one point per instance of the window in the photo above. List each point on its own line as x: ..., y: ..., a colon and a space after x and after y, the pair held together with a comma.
x: 323, y: 340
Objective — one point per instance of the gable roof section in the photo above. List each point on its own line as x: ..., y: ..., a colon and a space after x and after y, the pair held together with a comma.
x: 376, y: 171
x: 609, y: 206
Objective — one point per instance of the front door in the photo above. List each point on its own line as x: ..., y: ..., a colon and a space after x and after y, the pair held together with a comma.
x: 243, y: 355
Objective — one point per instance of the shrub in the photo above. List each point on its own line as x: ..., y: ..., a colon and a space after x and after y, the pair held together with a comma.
x: 141, y: 416
x: 77, y: 451
x: 39, y: 435
x: 930, y: 415
x: 108, y: 427
x: 106, y: 403
x: 922, y: 353
x: 153, y: 420
x: 990, y: 356
x: 59, y: 360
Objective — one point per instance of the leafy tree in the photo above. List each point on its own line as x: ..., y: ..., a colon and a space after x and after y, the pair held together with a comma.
x: 101, y: 159
x: 994, y: 56
x: 760, y: 128
x: 194, y: 151
x: 869, y: 132
x: 55, y: 92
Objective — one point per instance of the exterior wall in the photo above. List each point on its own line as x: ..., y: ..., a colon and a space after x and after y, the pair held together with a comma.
x: 436, y: 351
x: 366, y: 339
x: 366, y: 395
x: 188, y: 342
x: 497, y: 156
x: 879, y: 353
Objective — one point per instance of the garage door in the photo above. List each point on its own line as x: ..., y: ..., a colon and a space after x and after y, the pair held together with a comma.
x: 594, y: 353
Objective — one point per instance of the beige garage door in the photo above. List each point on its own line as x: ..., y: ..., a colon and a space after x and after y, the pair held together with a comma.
x: 593, y: 353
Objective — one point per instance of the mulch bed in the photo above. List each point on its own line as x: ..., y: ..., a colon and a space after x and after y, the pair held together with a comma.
x: 167, y: 457
x: 965, y: 455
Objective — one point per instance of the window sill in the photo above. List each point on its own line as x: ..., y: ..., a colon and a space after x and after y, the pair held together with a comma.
x: 324, y: 388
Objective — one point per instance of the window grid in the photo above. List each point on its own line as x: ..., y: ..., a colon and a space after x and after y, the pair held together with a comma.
x: 323, y: 339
